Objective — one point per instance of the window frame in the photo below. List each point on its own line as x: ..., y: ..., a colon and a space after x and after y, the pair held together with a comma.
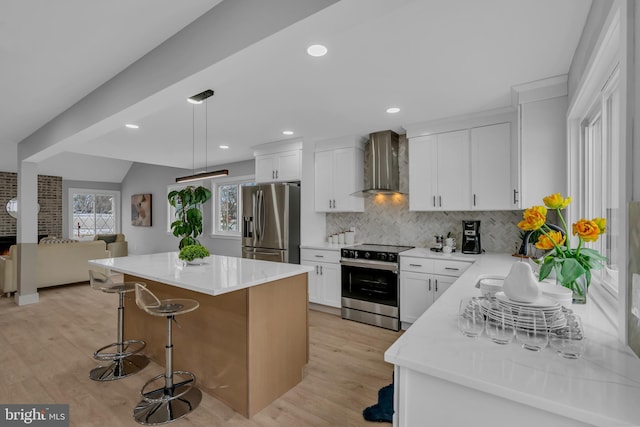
x: 117, y: 212
x: 215, y: 214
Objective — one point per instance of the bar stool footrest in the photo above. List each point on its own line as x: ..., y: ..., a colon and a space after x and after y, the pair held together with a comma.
x: 164, y: 393
x: 130, y: 347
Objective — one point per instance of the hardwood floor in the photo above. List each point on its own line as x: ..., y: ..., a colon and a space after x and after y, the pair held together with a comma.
x: 45, y: 357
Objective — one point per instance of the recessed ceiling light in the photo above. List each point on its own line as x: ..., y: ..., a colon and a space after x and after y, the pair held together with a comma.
x: 132, y: 126
x: 393, y: 110
x: 287, y: 132
x: 317, y: 50
x: 224, y: 147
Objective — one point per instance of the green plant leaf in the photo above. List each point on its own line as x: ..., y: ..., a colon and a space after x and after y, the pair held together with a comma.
x: 545, y: 268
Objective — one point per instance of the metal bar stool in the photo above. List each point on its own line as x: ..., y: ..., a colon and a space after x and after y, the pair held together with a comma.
x: 170, y: 400
x: 123, y: 355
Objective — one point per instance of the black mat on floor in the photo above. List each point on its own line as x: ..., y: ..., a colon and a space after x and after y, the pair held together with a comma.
x: 383, y: 410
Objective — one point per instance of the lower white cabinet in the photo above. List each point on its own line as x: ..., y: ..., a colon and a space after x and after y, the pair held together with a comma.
x: 422, y: 281
x: 324, y: 280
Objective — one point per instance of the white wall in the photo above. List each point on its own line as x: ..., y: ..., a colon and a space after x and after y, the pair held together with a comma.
x: 151, y: 179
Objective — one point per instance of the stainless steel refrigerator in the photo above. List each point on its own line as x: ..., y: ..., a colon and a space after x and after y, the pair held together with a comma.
x: 271, y: 222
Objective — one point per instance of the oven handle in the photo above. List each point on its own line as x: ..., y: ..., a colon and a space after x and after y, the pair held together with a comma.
x: 365, y: 263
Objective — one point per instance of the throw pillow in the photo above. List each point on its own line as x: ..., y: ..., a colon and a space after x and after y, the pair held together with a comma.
x: 108, y: 238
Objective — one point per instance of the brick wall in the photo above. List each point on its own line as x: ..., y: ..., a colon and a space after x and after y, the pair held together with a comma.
x: 49, y: 198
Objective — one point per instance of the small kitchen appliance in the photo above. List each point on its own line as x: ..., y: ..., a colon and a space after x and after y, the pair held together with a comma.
x: 471, y: 237
x: 370, y: 284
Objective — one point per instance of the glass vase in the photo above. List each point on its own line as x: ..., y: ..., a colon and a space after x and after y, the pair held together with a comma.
x: 579, y: 288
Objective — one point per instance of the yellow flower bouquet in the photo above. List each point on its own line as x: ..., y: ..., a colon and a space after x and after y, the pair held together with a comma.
x: 572, y: 266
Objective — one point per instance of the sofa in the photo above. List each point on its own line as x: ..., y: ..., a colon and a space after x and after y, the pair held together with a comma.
x: 57, y: 264
x: 116, y: 244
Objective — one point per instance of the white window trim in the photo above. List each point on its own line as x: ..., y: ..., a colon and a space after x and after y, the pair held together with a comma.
x: 118, y: 211
x: 604, y: 59
x: 214, y: 206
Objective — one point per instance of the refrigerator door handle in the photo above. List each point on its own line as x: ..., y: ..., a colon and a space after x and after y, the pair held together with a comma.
x: 254, y: 209
x: 261, y: 213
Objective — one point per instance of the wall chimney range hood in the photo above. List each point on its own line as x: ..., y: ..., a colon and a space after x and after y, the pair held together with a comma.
x: 381, y: 169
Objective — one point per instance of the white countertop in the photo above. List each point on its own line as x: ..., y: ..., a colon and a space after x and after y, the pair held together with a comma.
x: 601, y: 388
x: 428, y: 253
x: 326, y: 246
x: 217, y: 276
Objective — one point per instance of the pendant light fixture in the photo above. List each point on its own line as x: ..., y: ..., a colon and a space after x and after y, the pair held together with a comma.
x: 198, y: 99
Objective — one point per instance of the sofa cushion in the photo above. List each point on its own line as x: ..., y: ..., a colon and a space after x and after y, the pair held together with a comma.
x: 107, y: 238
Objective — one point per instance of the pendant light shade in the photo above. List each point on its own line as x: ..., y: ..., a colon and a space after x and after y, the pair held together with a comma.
x: 197, y: 99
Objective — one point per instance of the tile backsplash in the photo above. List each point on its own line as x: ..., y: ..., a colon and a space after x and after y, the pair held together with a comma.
x: 387, y: 220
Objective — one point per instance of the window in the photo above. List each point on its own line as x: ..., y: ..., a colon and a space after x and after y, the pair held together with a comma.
x: 93, y: 212
x: 227, y: 206
x: 171, y: 211
x: 601, y: 161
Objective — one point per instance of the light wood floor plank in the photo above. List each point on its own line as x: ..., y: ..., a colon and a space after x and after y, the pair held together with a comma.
x: 46, y: 348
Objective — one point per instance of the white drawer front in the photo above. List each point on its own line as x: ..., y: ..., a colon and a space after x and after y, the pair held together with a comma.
x: 418, y: 265
x: 318, y: 255
x: 450, y: 268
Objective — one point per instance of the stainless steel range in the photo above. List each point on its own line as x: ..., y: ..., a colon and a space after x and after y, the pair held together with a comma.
x: 370, y: 284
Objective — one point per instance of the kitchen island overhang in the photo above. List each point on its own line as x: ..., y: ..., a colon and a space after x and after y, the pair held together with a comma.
x: 247, y: 343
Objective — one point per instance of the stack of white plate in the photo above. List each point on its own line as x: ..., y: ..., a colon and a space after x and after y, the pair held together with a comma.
x: 559, y: 293
x: 551, y: 309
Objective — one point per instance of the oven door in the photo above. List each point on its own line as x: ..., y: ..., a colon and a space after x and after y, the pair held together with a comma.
x: 370, y: 281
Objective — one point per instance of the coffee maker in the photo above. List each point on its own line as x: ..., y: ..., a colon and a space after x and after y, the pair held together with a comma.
x: 471, y: 237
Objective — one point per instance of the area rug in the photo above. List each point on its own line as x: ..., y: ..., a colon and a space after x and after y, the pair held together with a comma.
x: 383, y: 410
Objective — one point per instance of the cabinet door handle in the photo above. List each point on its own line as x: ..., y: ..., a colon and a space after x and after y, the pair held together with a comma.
x: 429, y: 285
x: 452, y: 268
x: 415, y: 265
x: 474, y: 200
x: 440, y: 201
x: 436, y: 285
x: 329, y: 203
x: 515, y: 196
x: 273, y: 174
x: 334, y: 203
x: 317, y: 270
x: 321, y: 272
x: 276, y: 174
x: 434, y: 201
x: 319, y: 256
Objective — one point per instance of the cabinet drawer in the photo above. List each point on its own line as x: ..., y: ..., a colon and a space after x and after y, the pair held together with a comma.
x: 319, y: 255
x: 417, y: 265
x: 450, y: 268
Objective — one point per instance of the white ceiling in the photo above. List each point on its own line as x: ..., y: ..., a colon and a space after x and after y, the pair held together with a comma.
x: 431, y: 58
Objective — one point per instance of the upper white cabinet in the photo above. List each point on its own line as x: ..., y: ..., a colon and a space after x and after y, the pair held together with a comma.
x: 279, y: 162
x: 339, y: 172
x: 439, y: 172
x: 492, y: 168
x: 543, y: 149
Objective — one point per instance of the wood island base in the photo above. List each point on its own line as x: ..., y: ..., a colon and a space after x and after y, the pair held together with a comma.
x: 247, y: 347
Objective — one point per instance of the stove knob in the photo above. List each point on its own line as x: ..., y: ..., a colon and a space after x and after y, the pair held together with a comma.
x: 353, y: 254
x: 345, y: 253
x: 392, y: 257
x: 383, y: 257
x: 367, y: 255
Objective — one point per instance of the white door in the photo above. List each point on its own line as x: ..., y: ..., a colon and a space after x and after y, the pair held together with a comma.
x: 329, y: 284
x: 265, y: 168
x: 415, y: 295
x: 491, y: 167
x: 454, y: 171
x: 288, y: 166
x: 423, y: 171
x: 324, y: 181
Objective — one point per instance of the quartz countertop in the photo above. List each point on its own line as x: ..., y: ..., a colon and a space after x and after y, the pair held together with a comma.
x: 428, y: 253
x: 600, y: 388
x: 218, y: 275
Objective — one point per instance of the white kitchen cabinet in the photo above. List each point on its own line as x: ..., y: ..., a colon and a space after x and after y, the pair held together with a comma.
x: 338, y: 174
x: 543, y: 149
x: 491, y: 168
x: 423, y: 281
x: 439, y: 172
x: 324, y: 280
x: 279, y: 167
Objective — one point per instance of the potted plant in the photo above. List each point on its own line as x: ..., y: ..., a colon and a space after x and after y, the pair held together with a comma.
x: 188, y: 223
x: 190, y: 253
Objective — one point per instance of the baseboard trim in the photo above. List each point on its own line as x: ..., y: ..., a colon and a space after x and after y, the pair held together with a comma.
x: 325, y: 309
x: 27, y: 299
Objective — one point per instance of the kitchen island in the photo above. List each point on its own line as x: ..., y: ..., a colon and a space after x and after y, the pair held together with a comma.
x: 444, y: 378
x: 248, y: 341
